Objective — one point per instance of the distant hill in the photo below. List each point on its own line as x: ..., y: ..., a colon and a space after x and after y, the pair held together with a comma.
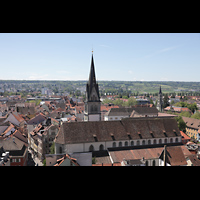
x: 112, y: 86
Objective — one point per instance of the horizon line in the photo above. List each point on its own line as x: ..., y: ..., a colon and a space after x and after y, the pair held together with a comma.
x: 97, y: 80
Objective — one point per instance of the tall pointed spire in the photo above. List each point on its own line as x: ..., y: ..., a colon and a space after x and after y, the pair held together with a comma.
x: 92, y: 101
x: 92, y: 77
x: 160, y: 92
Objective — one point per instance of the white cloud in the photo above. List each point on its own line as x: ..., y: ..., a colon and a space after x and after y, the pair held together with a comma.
x: 162, y: 50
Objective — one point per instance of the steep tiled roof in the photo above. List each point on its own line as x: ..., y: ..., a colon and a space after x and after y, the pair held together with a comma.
x: 136, y: 128
x: 192, y: 123
x: 174, y: 156
x: 37, y: 119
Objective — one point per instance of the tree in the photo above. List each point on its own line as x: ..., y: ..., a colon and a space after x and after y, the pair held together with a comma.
x: 192, y: 107
x: 185, y: 114
x: 196, y: 115
x: 181, y: 124
x: 165, y: 101
x: 131, y: 102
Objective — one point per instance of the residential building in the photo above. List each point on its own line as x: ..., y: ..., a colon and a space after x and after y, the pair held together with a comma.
x: 83, y: 159
x: 66, y: 160
x: 16, y: 119
x: 149, y: 156
x: 100, y: 135
x: 42, y: 137
x: 185, y: 138
x: 193, y: 160
x: 105, y: 108
x: 118, y: 113
x: 172, y: 156
x: 177, y: 109
x: 92, y: 102
x: 142, y: 101
x: 144, y: 112
x: 136, y: 162
x: 18, y: 152
x: 193, y: 127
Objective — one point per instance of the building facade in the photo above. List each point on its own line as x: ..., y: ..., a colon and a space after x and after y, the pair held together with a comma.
x: 98, y: 136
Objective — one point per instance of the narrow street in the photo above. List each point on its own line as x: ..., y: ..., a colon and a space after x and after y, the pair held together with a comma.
x: 33, y: 160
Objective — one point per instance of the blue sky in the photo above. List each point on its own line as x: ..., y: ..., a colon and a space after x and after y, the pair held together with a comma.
x: 117, y: 56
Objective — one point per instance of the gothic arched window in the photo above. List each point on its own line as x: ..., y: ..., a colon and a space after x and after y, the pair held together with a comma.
x: 91, y: 148
x: 101, y: 147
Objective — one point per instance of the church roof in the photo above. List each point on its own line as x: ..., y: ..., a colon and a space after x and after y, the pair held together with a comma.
x: 134, y: 128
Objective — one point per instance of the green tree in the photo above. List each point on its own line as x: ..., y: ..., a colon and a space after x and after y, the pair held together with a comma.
x: 131, y: 102
x: 185, y: 114
x: 181, y: 124
x: 192, y: 107
x: 44, y: 162
x: 165, y: 101
x: 196, y: 115
x: 118, y: 102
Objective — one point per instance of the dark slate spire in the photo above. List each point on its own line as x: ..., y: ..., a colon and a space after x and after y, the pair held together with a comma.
x: 92, y: 81
x: 92, y: 78
x: 160, y: 92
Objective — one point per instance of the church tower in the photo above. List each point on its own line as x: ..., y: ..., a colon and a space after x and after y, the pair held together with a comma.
x: 160, y: 101
x: 92, y: 102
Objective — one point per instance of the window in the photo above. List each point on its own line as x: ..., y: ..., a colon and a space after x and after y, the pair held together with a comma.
x: 154, y: 163
x: 91, y: 148
x: 146, y: 163
x: 114, y: 144
x: 143, y: 142
x: 120, y: 144
x: 171, y: 140
x: 126, y: 143
x: 138, y: 142
x: 176, y: 140
x: 132, y: 143
x: 91, y: 108
x: 154, y: 141
x: 160, y: 141
x: 101, y: 147
x: 149, y: 141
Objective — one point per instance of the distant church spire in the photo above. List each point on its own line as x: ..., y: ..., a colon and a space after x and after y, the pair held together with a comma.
x: 160, y: 101
x: 160, y: 91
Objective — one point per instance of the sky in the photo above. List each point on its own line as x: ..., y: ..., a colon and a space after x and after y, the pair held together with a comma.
x: 117, y: 56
